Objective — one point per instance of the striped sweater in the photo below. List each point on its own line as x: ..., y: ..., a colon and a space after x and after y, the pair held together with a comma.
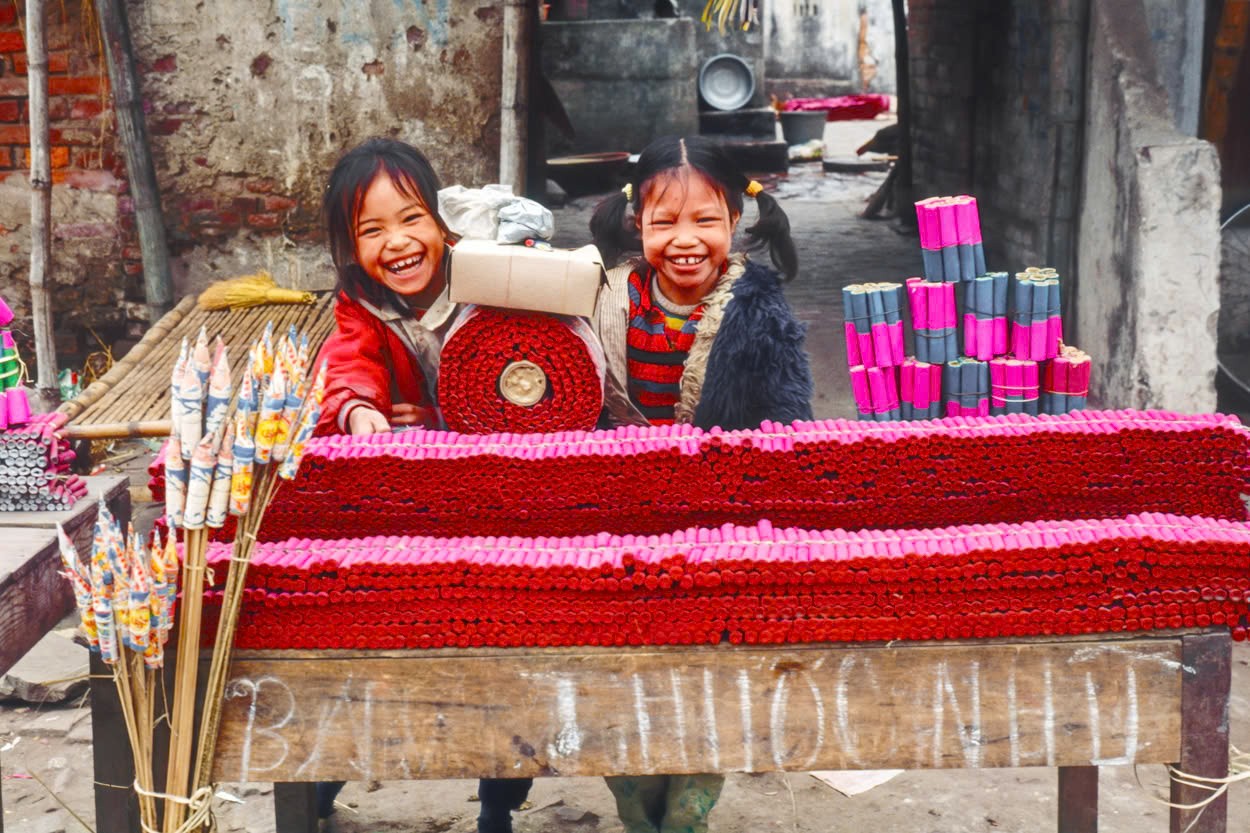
x: 659, y: 339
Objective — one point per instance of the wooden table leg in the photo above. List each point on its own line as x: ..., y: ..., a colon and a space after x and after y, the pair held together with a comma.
x: 295, y: 807
x: 116, y: 804
x: 1078, y: 799
x: 1204, y: 728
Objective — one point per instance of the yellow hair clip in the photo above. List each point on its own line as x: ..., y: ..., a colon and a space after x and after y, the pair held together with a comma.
x: 628, y: 191
x: 754, y: 188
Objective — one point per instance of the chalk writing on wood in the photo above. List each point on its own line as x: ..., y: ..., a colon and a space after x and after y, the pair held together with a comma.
x: 597, y: 712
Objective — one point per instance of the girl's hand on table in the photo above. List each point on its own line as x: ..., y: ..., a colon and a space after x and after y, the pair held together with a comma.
x: 364, y: 420
x: 403, y: 413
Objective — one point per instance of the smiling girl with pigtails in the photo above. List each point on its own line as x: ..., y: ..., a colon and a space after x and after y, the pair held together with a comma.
x: 693, y: 334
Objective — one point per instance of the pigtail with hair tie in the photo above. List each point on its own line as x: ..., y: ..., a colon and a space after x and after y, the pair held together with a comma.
x: 753, y: 189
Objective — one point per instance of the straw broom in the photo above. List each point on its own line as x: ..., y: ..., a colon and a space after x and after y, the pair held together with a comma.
x: 250, y: 291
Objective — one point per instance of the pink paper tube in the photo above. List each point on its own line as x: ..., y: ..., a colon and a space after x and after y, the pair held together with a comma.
x: 866, y: 352
x: 918, y: 300
x: 1019, y: 340
x: 998, y: 383
x: 970, y: 335
x: 17, y: 405
x: 935, y: 385
x: 897, y: 349
x: 999, y: 334
x: 4, y: 415
x: 890, y: 378
x: 965, y: 219
x: 6, y: 314
x: 948, y: 225
x: 917, y: 389
x: 907, y: 380
x: 881, y: 350
x: 852, y: 346
x: 1054, y: 335
x: 946, y: 294
x: 1038, y: 332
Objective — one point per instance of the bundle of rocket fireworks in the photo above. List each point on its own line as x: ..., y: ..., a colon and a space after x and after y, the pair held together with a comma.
x: 1013, y: 387
x: 1066, y: 384
x: 34, y: 467
x: 933, y: 320
x: 966, y: 386
x: 750, y: 583
x: 985, y: 316
x: 14, y: 403
x: 126, y: 597
x: 216, y: 467
x: 876, y: 393
x: 874, y: 324
x: 950, y: 238
x: 1036, y: 323
x: 1086, y: 464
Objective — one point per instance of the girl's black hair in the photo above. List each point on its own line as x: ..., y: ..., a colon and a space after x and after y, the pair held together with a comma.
x: 353, y: 173
x: 615, y: 233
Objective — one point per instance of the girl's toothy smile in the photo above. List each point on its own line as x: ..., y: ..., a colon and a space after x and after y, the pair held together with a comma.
x: 688, y: 260
x: 405, y: 264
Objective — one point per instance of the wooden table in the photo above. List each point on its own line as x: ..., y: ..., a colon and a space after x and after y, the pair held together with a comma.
x: 33, y: 598
x: 1073, y: 703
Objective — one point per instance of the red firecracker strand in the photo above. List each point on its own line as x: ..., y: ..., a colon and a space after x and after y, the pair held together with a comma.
x: 820, y: 475
x: 756, y: 584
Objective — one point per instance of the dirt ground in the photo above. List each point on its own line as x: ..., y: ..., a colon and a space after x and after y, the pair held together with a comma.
x: 46, y: 751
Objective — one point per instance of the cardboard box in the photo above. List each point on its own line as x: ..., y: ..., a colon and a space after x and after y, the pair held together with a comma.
x: 561, y: 281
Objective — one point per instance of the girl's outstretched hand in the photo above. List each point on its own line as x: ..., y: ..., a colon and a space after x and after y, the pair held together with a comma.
x: 364, y: 420
x: 403, y: 413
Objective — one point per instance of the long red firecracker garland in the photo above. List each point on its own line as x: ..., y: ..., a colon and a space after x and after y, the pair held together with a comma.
x: 519, y: 371
x: 822, y: 475
x: 755, y: 584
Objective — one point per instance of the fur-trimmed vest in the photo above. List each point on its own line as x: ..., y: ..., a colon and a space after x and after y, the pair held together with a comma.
x: 747, y: 363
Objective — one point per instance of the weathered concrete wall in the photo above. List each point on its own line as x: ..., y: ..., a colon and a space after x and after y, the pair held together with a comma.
x: 622, y: 82
x: 1148, y: 295
x: 1176, y: 29
x: 997, y: 96
x: 259, y: 100
x: 248, y: 106
x: 817, y: 48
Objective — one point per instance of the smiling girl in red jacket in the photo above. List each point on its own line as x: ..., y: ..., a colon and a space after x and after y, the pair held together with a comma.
x: 389, y: 246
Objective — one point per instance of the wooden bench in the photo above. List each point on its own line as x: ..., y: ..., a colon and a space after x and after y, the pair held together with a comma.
x: 33, y: 597
x: 1075, y: 704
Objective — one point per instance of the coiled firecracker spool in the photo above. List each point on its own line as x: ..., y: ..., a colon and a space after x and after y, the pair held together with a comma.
x: 520, y: 372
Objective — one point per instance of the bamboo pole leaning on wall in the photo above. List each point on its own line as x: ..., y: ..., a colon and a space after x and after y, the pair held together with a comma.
x: 40, y: 196
x: 131, y: 127
x: 519, y: 20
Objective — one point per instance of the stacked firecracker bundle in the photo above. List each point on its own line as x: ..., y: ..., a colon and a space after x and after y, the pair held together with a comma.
x: 1013, y: 359
x: 34, y: 461
x: 425, y: 539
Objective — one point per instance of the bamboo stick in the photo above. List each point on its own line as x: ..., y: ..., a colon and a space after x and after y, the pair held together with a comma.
x: 40, y: 195
x: 117, y: 430
x: 132, y: 130
x: 182, y: 724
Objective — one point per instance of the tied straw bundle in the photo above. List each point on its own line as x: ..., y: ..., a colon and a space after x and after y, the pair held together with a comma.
x: 250, y: 291
x: 216, y: 467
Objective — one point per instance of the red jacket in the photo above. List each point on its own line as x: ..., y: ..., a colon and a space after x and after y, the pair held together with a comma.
x: 366, y: 360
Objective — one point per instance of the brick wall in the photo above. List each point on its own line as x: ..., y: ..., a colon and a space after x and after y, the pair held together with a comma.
x: 90, y: 290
